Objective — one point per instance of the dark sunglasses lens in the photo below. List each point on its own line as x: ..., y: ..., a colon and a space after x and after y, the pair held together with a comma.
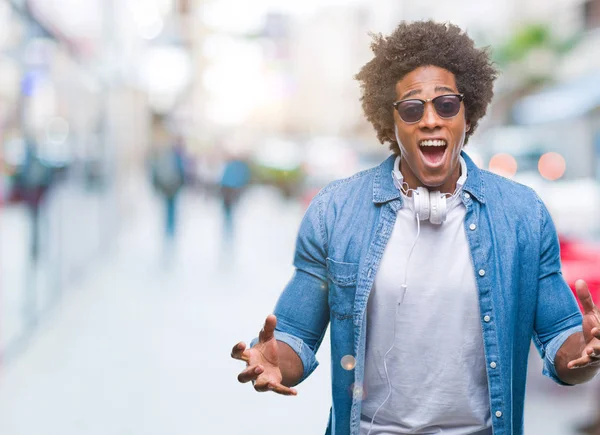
x: 410, y: 111
x: 447, y: 106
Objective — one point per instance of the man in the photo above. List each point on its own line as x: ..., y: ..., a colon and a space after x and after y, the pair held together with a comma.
x: 433, y: 274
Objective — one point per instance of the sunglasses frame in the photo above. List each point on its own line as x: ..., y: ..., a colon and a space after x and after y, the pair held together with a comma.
x: 461, y: 98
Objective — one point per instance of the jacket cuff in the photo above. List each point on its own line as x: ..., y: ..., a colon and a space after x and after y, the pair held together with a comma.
x: 551, y: 350
x: 307, y: 356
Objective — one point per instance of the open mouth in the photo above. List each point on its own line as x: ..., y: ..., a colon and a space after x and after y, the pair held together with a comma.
x: 433, y: 150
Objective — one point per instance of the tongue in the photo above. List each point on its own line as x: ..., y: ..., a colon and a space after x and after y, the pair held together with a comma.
x: 433, y: 154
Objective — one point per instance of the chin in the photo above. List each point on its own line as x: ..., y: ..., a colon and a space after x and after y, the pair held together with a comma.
x: 432, y: 182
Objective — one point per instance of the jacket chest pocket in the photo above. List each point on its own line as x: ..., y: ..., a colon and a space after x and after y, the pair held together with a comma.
x: 342, y: 279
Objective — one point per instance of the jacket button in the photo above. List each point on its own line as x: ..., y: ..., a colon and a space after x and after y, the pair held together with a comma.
x: 481, y: 272
x: 486, y: 319
x: 493, y: 365
x: 498, y: 414
x: 472, y: 227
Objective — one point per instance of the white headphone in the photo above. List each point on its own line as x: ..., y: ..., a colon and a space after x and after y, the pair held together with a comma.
x: 432, y: 206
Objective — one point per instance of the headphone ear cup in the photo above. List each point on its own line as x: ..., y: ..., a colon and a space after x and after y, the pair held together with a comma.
x: 439, y: 208
x: 421, y: 201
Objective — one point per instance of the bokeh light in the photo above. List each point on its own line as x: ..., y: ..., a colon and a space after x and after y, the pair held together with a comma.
x: 503, y: 164
x: 552, y: 166
x: 348, y: 362
x: 357, y: 391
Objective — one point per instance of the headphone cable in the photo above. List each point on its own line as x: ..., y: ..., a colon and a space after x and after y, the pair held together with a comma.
x: 401, y: 299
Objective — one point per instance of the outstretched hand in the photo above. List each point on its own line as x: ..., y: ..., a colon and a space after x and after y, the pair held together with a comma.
x: 262, y: 361
x: 591, y: 329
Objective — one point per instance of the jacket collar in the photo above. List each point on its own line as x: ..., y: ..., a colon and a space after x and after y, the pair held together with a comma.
x: 384, y: 189
x: 474, y: 184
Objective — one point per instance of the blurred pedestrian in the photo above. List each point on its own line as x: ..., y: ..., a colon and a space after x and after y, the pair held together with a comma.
x: 32, y: 180
x: 432, y: 274
x: 168, y: 177
x: 234, y: 180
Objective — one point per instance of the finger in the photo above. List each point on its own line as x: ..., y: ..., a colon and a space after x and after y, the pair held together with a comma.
x: 275, y: 387
x: 282, y: 389
x: 250, y: 374
x: 584, y: 361
x: 266, y: 333
x: 239, y: 352
x: 583, y: 293
x: 596, y: 333
x: 261, y: 385
x: 578, y: 363
x: 593, y: 352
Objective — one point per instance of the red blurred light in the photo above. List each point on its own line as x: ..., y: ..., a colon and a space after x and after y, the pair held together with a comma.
x: 503, y: 164
x: 552, y: 166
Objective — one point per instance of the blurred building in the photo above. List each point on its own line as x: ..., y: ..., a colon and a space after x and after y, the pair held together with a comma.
x: 80, y: 83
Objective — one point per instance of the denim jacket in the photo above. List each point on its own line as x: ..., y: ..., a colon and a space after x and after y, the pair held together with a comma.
x: 515, y: 252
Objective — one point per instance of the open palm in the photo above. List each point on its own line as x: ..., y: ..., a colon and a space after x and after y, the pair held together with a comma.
x: 591, y: 328
x: 263, y: 361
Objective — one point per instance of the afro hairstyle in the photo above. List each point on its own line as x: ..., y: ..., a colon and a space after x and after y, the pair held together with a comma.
x: 424, y: 43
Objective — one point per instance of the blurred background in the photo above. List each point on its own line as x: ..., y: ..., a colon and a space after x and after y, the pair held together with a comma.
x: 157, y: 156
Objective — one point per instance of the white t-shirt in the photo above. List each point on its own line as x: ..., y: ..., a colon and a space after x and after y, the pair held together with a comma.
x: 437, y: 366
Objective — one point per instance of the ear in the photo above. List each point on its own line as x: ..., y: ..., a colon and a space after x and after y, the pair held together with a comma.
x: 468, y: 125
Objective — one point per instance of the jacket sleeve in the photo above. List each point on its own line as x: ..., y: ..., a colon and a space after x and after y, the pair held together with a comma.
x: 557, y: 313
x: 302, y: 309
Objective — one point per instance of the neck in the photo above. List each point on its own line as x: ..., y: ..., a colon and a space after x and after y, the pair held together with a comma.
x: 449, y: 186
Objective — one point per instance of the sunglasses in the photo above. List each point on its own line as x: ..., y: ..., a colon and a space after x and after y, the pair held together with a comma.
x: 412, y: 110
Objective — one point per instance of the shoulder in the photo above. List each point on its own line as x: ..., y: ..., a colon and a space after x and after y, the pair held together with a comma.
x: 359, y: 185
x: 360, y: 179
x: 498, y: 181
x: 510, y: 194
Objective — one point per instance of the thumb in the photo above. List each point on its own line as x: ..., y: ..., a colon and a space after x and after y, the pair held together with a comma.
x: 266, y: 333
x: 583, y: 293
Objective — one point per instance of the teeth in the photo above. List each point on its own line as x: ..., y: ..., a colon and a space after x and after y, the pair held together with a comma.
x: 433, y: 143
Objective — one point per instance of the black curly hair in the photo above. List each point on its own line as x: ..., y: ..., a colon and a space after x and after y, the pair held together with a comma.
x: 417, y: 44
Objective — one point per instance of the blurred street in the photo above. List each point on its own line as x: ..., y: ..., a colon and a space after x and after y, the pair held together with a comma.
x: 141, y: 345
x: 157, y: 156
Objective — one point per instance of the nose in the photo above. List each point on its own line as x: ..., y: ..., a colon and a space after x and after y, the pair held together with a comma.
x: 430, y: 119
